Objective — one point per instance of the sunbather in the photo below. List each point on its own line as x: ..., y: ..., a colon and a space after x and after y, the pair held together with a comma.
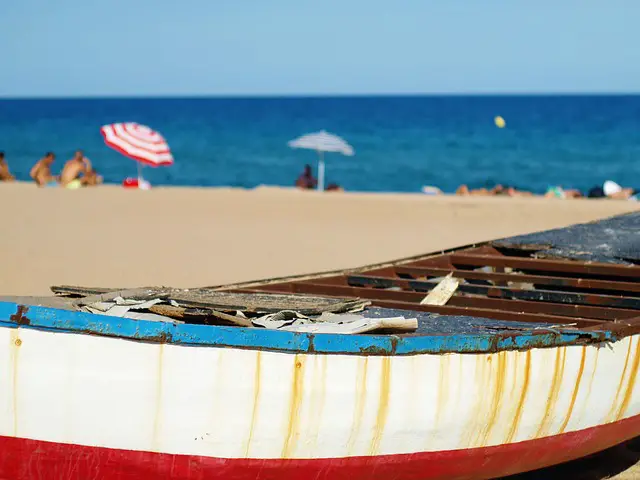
x: 41, y: 171
x: 78, y: 172
x: 5, y: 174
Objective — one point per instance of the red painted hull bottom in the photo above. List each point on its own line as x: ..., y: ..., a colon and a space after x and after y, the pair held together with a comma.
x: 32, y: 459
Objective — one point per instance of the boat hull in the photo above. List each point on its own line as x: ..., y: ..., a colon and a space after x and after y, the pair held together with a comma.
x: 80, y: 405
x: 32, y: 459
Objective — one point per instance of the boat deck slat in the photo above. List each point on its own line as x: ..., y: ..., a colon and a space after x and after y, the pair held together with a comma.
x: 583, y: 283
x: 548, y: 277
x: 536, y: 264
x: 407, y: 301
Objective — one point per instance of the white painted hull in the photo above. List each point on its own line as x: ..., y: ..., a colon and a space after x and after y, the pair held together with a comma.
x: 241, y: 403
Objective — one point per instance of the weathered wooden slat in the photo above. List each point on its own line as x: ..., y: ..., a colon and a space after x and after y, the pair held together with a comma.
x: 81, y: 291
x: 537, y: 300
x: 407, y: 301
x: 556, y: 281
x: 132, y: 294
x: 536, y: 264
x: 229, y: 301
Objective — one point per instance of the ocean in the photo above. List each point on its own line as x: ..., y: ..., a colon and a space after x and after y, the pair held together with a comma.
x: 401, y: 142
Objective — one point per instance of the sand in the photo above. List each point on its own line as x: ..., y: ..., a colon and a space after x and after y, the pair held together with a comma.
x: 186, y: 237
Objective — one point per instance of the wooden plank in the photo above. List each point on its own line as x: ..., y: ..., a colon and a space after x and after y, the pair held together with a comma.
x: 602, y: 269
x: 610, y: 306
x: 133, y: 294
x: 556, y: 281
x: 265, y: 303
x: 546, y: 308
x: 407, y: 301
x: 81, y: 291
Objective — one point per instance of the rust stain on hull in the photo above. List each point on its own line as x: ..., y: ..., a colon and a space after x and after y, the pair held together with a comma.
x: 576, y: 389
x: 361, y: 397
x: 613, y: 413
x: 483, y: 377
x: 499, y: 373
x: 383, y: 406
x: 14, y: 348
x: 631, y: 382
x: 554, y: 391
x: 521, y: 399
x: 157, y: 416
x: 316, y: 402
x: 294, y: 406
x: 256, y: 401
x: 443, y: 384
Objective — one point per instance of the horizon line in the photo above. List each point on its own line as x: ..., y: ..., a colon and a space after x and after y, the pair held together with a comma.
x: 318, y: 95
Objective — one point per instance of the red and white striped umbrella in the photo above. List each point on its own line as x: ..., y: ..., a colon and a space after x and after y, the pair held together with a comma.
x: 138, y: 142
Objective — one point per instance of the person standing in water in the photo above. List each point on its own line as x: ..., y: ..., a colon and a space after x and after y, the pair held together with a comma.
x: 41, y: 171
x: 5, y: 174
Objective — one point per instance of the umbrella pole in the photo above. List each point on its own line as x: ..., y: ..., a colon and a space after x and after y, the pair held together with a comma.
x: 321, y: 171
x: 139, y: 173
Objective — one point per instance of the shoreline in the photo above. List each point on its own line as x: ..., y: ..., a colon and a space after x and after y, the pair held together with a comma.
x: 279, y: 188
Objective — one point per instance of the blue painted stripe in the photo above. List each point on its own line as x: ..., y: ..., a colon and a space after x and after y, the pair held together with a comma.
x: 52, y: 319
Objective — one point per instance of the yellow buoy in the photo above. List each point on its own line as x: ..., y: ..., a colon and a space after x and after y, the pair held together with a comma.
x: 499, y: 121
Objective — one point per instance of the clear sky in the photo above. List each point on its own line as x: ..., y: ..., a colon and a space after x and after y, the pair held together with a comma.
x: 222, y: 47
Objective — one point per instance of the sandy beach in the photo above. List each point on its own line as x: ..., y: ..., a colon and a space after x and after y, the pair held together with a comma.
x: 187, y: 237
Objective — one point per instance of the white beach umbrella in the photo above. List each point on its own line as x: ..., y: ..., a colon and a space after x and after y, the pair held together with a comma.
x: 322, y: 142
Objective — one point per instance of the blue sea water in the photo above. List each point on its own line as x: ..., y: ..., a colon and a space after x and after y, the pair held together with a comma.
x: 401, y: 143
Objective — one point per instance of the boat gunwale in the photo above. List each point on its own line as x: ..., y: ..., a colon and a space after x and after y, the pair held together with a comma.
x: 14, y: 315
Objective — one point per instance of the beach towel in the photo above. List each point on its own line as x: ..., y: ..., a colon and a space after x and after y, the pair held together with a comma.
x: 74, y: 184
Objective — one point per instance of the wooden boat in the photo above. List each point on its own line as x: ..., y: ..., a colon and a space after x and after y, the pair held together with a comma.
x: 532, y: 362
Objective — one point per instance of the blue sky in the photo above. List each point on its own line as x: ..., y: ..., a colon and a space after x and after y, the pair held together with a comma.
x: 225, y: 47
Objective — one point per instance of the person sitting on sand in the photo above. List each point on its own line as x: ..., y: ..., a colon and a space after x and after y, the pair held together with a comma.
x: 306, y: 180
x: 41, y: 171
x: 464, y: 191
x: 559, y: 192
x: 611, y: 189
x: 91, y: 178
x: 78, y: 172
x: 5, y: 174
x: 334, y: 187
x: 506, y: 190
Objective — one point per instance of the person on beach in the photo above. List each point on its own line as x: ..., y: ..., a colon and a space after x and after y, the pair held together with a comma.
x: 5, y: 174
x: 611, y: 189
x: 306, y: 180
x: 41, y: 171
x: 78, y: 172
x: 504, y: 190
x: 564, y: 193
x: 334, y: 187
